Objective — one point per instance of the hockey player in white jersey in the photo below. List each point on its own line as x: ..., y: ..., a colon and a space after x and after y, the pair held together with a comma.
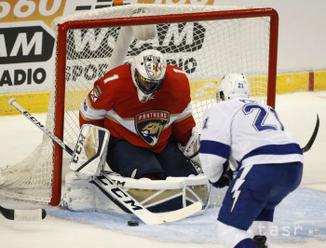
x: 268, y: 161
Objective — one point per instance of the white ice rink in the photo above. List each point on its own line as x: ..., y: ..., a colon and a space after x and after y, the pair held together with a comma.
x: 300, y: 220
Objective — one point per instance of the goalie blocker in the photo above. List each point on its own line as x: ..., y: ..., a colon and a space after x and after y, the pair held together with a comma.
x: 84, y: 191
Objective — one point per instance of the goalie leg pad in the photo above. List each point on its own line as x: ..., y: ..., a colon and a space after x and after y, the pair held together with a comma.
x: 81, y: 195
x: 90, y: 150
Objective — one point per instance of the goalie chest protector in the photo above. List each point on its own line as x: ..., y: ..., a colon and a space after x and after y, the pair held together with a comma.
x: 150, y: 124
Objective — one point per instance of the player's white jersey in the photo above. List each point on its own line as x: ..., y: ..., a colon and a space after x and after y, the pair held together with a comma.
x: 245, y: 132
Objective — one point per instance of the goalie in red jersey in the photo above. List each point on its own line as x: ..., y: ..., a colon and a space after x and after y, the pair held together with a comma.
x: 146, y: 107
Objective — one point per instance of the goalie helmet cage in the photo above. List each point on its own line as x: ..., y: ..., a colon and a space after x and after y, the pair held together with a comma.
x: 205, y: 41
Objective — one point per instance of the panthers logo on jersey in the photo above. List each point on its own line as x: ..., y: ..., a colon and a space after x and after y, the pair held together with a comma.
x: 150, y: 124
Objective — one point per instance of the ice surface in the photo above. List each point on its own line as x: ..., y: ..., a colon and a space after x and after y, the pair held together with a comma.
x: 300, y: 220
x: 300, y: 217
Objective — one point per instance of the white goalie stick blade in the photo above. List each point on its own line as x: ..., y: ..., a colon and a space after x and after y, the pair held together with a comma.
x: 23, y: 214
x: 125, y: 201
x: 180, y: 213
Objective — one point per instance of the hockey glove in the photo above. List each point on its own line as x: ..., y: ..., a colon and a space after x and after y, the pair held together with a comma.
x: 191, y: 150
x: 226, y: 177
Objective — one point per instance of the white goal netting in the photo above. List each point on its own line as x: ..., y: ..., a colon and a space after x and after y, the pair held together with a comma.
x: 204, y: 49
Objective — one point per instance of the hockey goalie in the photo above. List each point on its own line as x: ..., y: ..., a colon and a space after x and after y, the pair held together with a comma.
x: 138, y: 132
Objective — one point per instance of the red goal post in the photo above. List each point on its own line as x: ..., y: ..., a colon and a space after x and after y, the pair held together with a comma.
x: 206, y: 41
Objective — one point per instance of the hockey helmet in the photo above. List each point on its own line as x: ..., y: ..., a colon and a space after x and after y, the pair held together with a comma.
x: 148, y: 71
x: 232, y: 86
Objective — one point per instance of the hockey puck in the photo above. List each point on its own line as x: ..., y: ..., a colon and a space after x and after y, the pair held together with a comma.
x: 133, y: 223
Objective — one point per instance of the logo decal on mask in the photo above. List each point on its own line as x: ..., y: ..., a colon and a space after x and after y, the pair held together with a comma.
x: 153, y: 66
x: 150, y: 124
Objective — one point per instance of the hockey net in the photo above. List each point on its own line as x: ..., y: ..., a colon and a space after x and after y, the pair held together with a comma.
x: 205, y: 41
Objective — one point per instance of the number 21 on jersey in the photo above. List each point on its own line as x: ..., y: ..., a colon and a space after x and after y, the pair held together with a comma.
x: 262, y: 114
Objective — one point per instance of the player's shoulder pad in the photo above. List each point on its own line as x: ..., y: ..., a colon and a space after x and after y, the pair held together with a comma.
x: 175, y: 71
x: 176, y: 76
x: 233, y: 103
x: 227, y: 108
x: 116, y: 74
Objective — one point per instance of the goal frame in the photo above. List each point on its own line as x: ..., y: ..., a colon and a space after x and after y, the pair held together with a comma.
x: 141, y: 20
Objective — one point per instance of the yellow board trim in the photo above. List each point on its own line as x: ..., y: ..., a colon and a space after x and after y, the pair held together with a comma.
x: 320, y: 80
x: 37, y: 102
x: 292, y: 82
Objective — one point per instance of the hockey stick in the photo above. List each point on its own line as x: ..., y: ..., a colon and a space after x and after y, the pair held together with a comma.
x: 127, y: 202
x: 313, y: 137
x: 24, y: 214
x: 12, y: 101
x: 112, y: 190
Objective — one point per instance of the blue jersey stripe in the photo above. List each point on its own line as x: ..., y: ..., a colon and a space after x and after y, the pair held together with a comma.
x: 285, y: 149
x: 215, y: 148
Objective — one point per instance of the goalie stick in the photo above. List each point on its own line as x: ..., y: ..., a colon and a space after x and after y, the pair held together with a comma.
x: 112, y: 190
x: 12, y: 101
x: 127, y: 202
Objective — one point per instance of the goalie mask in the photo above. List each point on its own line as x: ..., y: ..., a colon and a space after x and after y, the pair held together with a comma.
x: 233, y: 86
x: 148, y: 71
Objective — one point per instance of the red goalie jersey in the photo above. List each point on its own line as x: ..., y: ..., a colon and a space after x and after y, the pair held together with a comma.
x: 114, y: 105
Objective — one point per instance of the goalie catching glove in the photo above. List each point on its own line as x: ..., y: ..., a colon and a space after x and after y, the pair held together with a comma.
x: 191, y: 150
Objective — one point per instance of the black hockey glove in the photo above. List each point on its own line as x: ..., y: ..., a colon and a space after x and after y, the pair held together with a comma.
x: 226, y: 177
